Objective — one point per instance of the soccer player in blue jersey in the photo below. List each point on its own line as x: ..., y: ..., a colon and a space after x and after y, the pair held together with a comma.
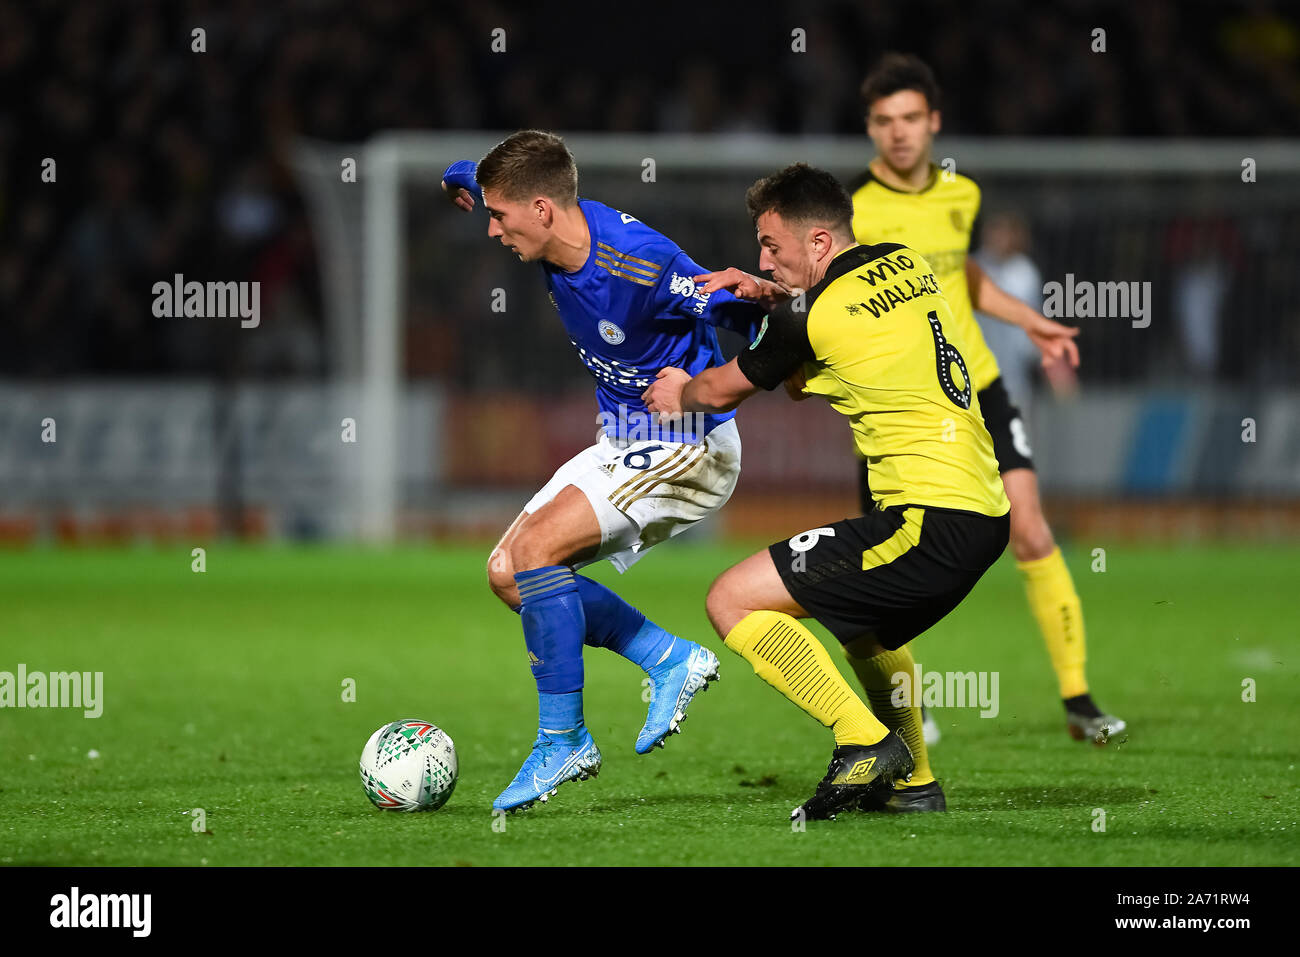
x: 628, y: 300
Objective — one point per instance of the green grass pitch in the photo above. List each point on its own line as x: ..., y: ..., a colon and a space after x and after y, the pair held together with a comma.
x: 223, y: 691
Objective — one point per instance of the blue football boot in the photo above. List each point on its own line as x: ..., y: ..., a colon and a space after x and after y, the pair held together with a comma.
x: 686, y: 669
x: 556, y: 757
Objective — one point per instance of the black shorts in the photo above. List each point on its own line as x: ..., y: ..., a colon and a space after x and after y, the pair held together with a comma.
x: 913, y: 577
x: 1001, y: 418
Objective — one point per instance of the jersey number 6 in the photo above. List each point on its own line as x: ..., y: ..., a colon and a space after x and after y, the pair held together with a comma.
x: 945, y: 356
x: 640, y: 459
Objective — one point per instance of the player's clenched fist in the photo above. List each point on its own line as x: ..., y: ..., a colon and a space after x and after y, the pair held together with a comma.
x: 665, y: 394
x: 459, y: 195
x: 460, y: 185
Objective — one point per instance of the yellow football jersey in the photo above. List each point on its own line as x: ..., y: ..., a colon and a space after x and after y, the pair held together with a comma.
x: 937, y: 221
x: 873, y: 339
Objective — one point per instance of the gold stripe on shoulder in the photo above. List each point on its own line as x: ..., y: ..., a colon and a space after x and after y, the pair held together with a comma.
x: 623, y: 275
x: 632, y: 259
x: 607, y: 258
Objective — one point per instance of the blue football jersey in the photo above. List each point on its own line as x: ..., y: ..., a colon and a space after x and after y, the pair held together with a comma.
x: 632, y: 310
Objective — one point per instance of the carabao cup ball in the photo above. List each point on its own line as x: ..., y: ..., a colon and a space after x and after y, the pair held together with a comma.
x: 409, y: 765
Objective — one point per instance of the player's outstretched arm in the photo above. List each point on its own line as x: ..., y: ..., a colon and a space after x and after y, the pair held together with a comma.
x: 460, y: 184
x: 1054, y: 340
x: 719, y: 389
x: 742, y: 285
x: 764, y: 292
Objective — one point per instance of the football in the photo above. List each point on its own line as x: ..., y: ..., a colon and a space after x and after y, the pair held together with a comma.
x: 409, y: 765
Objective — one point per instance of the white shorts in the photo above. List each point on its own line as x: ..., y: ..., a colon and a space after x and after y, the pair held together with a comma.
x: 647, y: 491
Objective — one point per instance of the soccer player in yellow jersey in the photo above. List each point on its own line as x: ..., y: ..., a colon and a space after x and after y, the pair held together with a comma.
x: 904, y: 197
x: 871, y: 334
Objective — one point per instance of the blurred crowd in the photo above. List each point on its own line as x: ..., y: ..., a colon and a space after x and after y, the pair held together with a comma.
x: 169, y: 160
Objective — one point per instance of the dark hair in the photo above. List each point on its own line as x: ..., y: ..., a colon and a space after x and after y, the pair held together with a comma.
x: 900, y: 71
x: 530, y: 163
x: 803, y: 194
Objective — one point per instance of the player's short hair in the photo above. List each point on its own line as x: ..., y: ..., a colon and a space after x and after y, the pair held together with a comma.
x: 802, y: 194
x: 900, y: 71
x: 530, y: 163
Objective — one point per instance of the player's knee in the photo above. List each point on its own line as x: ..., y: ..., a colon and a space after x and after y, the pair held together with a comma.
x: 723, y: 605
x: 535, y: 547
x: 528, y: 552
x: 715, y: 606
x: 1031, y: 537
x: 501, y: 576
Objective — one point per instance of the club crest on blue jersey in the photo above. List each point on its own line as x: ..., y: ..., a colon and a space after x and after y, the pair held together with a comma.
x: 681, y: 285
x: 610, y: 332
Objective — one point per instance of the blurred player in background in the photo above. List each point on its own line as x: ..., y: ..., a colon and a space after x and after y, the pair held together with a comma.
x: 1004, y: 257
x: 871, y: 335
x: 629, y: 303
x: 903, y: 196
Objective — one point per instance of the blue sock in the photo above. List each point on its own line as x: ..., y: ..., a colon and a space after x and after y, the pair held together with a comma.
x: 558, y: 713
x: 554, y: 626
x: 614, y: 624
x: 608, y: 616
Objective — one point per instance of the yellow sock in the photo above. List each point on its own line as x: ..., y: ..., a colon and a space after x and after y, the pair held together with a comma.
x: 876, y: 675
x: 789, y: 657
x: 1056, y: 605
